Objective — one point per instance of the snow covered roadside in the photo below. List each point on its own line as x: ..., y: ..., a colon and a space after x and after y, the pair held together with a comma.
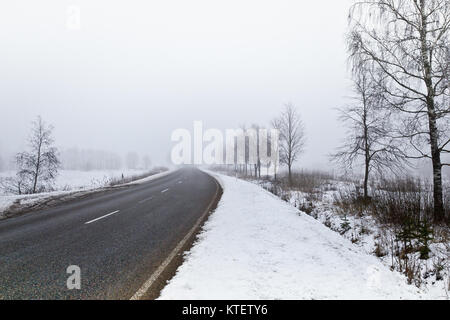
x: 431, y: 275
x: 256, y: 246
x: 69, y: 180
x: 76, y: 186
x: 6, y: 202
x: 150, y: 178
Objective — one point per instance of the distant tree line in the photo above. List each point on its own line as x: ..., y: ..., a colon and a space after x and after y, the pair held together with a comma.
x: 38, y: 166
x: 86, y: 160
x: 89, y: 159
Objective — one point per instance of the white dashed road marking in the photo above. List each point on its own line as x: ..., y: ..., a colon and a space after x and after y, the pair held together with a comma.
x: 106, y: 215
x: 145, y: 200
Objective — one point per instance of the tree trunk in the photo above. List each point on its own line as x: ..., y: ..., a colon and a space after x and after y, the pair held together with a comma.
x: 290, y: 175
x: 36, y: 174
x: 432, y: 125
x: 366, y: 181
x: 366, y: 150
x: 259, y: 169
x: 38, y: 165
x: 437, y: 172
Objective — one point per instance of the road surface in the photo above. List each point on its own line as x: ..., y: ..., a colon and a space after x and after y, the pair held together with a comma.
x: 117, y: 238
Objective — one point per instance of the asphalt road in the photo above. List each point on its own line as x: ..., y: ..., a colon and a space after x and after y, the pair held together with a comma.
x: 117, y: 238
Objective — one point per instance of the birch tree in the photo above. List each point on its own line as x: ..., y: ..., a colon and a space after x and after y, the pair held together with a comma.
x: 369, y: 127
x: 38, y: 167
x: 409, y: 42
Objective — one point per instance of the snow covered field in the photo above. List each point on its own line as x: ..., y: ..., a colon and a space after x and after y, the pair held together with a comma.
x: 256, y: 246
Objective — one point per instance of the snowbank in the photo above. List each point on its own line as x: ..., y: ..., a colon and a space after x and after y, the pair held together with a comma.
x: 6, y: 202
x: 255, y: 246
x: 72, y: 184
x: 150, y: 178
x: 80, y: 180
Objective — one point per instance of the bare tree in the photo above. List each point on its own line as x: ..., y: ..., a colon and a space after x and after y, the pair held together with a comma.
x: 369, y: 126
x: 408, y: 41
x: 38, y: 167
x: 292, y: 136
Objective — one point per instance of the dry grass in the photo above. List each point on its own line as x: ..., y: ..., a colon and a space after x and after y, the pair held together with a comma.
x: 308, y: 181
x: 405, y: 208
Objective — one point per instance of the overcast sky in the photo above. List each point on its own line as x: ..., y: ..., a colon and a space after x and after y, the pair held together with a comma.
x: 137, y: 70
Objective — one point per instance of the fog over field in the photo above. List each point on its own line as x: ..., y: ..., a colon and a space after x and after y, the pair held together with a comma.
x: 137, y: 70
x: 120, y: 76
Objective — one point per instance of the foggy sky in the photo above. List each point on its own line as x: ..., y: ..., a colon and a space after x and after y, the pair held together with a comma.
x: 137, y: 70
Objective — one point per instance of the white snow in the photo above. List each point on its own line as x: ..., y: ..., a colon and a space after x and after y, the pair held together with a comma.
x: 151, y: 178
x: 256, y: 246
x: 7, y: 201
x: 72, y: 183
x: 74, y: 179
x: 71, y: 179
x: 366, y: 233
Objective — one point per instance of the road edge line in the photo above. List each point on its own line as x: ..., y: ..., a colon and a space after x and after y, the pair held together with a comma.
x: 175, y: 252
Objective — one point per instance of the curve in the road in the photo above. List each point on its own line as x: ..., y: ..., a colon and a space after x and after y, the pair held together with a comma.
x: 119, y: 239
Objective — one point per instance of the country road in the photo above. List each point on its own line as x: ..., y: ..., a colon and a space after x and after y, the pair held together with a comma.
x: 117, y: 238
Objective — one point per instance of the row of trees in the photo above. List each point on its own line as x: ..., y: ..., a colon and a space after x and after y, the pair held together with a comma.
x: 133, y: 161
x: 86, y: 160
x: 291, y: 144
x: 399, y: 53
